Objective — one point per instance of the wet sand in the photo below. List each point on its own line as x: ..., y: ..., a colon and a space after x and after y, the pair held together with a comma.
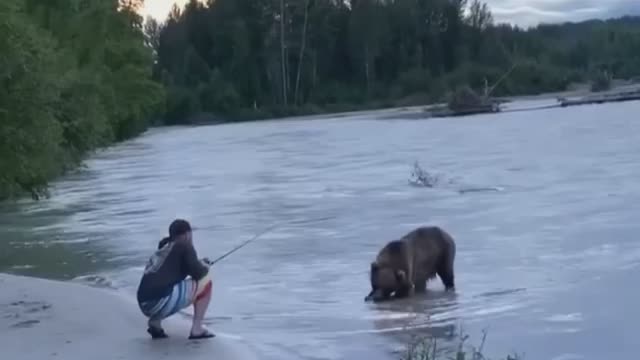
x: 44, y: 319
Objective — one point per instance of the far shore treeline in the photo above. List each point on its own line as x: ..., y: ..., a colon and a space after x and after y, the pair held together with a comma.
x: 77, y: 75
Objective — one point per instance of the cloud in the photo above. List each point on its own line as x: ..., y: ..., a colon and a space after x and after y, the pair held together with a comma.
x: 531, y: 12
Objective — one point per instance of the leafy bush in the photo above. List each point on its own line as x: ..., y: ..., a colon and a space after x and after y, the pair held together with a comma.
x: 64, y: 90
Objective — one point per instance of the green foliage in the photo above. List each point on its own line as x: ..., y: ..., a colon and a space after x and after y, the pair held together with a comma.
x: 414, y: 80
x: 74, y: 76
x: 601, y: 81
x: 428, y: 348
x: 234, y: 58
x: 31, y: 138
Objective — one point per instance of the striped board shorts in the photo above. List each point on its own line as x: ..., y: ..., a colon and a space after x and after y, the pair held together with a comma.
x: 183, y: 294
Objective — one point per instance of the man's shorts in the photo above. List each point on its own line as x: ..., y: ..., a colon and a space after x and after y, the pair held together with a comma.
x: 183, y: 294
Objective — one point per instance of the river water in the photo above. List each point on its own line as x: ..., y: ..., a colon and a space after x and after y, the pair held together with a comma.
x: 547, y: 264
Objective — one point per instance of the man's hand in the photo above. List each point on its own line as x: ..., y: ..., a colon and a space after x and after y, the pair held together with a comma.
x: 207, y: 261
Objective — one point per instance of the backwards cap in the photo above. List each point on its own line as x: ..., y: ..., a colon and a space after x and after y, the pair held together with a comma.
x: 179, y: 227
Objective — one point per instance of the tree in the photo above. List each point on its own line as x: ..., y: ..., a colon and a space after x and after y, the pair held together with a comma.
x: 277, y: 57
x: 68, y: 91
x: 480, y: 17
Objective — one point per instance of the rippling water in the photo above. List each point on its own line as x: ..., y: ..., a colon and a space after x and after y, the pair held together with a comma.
x: 547, y: 265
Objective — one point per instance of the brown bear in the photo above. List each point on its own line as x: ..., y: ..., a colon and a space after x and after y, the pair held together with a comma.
x: 404, y: 266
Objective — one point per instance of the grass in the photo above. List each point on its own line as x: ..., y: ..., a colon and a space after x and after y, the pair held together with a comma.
x: 421, y: 347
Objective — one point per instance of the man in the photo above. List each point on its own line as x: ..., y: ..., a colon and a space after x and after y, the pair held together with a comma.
x: 173, y: 279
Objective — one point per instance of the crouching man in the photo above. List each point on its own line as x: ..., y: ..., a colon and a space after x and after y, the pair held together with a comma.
x: 174, y: 278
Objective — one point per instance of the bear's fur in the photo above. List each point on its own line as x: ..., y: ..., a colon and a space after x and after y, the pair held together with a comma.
x: 404, y: 266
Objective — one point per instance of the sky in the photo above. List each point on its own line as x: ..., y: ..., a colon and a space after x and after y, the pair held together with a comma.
x: 531, y: 12
x: 159, y: 9
x: 521, y: 12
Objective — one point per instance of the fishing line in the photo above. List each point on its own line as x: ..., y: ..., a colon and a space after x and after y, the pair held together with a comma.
x: 210, y: 263
x: 247, y: 242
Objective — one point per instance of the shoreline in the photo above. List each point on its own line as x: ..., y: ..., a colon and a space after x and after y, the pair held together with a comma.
x: 422, y: 111
x: 47, y: 319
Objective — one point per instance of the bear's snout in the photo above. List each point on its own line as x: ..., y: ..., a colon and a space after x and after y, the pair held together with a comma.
x: 378, y: 296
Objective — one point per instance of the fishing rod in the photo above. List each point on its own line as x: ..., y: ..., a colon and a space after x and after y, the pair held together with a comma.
x: 255, y: 237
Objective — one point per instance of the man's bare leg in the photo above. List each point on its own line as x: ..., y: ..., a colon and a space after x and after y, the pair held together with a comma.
x: 200, y: 306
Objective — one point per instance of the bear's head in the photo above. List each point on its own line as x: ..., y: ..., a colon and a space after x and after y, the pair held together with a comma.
x: 385, y: 282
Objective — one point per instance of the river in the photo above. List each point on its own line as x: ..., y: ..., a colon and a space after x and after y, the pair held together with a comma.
x: 547, y: 264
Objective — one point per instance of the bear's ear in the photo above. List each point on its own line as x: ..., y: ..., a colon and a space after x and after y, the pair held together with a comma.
x: 401, y: 276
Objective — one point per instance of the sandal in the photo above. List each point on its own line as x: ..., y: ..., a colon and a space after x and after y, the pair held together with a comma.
x: 204, y: 335
x: 157, y: 333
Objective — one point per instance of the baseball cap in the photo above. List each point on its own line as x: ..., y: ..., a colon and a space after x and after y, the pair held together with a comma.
x: 179, y: 227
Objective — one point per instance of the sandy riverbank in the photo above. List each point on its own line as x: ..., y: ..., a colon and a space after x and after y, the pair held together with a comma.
x: 44, y: 319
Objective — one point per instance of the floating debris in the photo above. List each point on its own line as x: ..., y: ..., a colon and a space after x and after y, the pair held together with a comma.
x: 98, y: 281
x: 420, y: 177
x: 481, y: 189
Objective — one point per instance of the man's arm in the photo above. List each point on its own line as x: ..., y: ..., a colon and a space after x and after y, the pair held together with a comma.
x: 195, y: 268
